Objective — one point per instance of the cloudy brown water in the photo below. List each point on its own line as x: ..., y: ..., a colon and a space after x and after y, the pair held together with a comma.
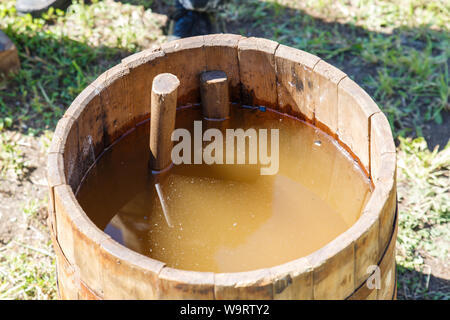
x: 228, y: 218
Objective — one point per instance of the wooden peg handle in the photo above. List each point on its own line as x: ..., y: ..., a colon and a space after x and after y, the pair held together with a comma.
x: 215, y: 95
x: 162, y: 123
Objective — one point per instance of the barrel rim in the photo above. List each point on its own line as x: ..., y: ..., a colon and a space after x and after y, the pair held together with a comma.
x: 384, y: 181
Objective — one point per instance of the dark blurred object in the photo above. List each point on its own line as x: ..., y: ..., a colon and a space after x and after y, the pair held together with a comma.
x: 192, y: 18
x: 37, y: 7
x: 200, y: 5
x: 9, y: 59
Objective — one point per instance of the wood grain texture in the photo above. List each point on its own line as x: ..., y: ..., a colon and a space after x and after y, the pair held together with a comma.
x: 87, y: 111
x: 55, y: 169
x: 65, y: 142
x: 51, y: 215
x: 294, y: 81
x: 257, y: 71
x: 386, y: 182
x: 221, y: 53
x: 366, y: 232
x: 115, y: 99
x: 252, y: 285
x: 293, y: 280
x: 177, y: 284
x: 55, y: 177
x: 79, y: 238
x: 333, y: 269
x: 186, y: 60
x: 381, y: 141
x: 364, y: 293
x: 354, y: 110
x: 388, y: 269
x: 62, y: 132
x: 164, y: 104
x: 144, y: 67
x: 85, y: 293
x: 215, y: 94
x: 87, y: 239
x: 126, y: 274
x: 67, y: 210
x: 326, y: 78
x: 68, y: 280
x: 387, y: 255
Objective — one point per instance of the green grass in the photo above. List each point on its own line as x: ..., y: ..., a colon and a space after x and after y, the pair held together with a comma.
x: 61, y: 53
x: 424, y: 215
x: 12, y: 162
x: 397, y: 50
x: 27, y: 265
x: 27, y: 272
x: 424, y: 191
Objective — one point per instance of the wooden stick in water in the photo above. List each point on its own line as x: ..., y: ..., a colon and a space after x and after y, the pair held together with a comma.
x: 162, y: 124
x: 215, y: 95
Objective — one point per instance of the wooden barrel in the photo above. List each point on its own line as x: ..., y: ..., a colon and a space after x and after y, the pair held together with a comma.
x: 91, y: 265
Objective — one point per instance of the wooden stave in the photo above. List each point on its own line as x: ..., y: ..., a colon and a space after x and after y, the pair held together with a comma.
x: 260, y: 278
x: 75, y: 283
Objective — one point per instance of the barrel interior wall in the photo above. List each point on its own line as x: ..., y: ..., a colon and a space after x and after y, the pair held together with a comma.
x: 260, y: 72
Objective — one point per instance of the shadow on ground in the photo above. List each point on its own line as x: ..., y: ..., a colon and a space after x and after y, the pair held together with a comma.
x: 414, y: 285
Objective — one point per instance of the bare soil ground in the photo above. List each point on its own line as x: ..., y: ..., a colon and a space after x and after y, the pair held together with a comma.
x: 26, y: 256
x: 15, y: 194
